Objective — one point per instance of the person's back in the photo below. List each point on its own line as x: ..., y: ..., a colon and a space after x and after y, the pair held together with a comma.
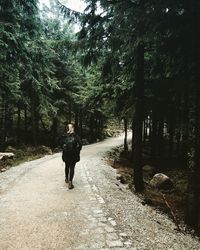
x: 71, y: 146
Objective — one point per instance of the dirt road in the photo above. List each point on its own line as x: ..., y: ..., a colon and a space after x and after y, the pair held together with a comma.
x: 37, y: 211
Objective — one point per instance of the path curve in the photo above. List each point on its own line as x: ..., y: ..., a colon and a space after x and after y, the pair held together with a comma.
x: 37, y: 211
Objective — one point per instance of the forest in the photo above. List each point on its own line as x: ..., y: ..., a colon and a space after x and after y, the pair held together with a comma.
x: 134, y: 61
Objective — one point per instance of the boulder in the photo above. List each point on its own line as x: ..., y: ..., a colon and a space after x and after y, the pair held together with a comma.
x: 161, y: 181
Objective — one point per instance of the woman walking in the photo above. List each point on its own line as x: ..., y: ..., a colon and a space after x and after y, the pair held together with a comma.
x: 71, y: 146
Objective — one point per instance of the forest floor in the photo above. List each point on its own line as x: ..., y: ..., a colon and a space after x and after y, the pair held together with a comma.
x: 172, y: 203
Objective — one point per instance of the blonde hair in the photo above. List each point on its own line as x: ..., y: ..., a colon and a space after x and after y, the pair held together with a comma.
x: 70, y: 127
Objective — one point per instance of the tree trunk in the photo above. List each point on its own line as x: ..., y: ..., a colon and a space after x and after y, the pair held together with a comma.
x: 5, y: 125
x: 193, y: 199
x: 125, y: 137
x: 99, y: 127
x: 18, y: 124
x: 96, y: 126
x: 91, y: 128
x: 76, y: 120
x: 144, y: 131
x: 193, y: 205
x: 25, y: 124
x: 1, y: 122
x: 139, y: 116
x: 9, y: 121
x: 70, y: 112
x: 154, y: 131
x: 33, y: 119
x: 81, y: 124
x: 186, y: 113
x: 54, y: 131
x: 132, y: 139
x: 171, y: 132
x: 37, y: 125
x: 160, y: 134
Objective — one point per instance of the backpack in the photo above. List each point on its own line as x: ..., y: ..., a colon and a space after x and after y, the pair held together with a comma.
x: 69, y: 144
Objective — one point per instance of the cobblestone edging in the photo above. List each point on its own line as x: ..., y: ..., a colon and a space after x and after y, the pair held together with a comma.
x: 101, y: 228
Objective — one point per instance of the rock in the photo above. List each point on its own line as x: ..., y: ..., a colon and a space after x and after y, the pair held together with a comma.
x: 5, y: 155
x: 161, y: 181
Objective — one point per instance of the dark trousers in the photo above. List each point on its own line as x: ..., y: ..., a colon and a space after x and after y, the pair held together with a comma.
x: 69, y: 170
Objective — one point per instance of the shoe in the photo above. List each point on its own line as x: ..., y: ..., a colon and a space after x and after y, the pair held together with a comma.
x: 70, y: 185
x: 66, y: 180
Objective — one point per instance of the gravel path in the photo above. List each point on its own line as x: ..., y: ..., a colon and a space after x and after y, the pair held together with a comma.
x: 37, y: 211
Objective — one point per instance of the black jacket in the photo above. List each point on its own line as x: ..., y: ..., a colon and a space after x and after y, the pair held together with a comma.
x: 73, y: 156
